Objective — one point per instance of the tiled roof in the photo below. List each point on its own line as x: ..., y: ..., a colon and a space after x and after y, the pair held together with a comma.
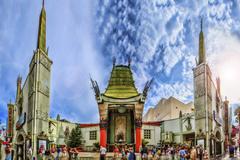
x: 121, y: 83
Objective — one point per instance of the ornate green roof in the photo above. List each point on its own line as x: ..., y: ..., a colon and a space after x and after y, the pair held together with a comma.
x: 121, y: 83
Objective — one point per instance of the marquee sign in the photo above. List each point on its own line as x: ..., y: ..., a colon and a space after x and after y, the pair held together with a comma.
x: 10, y: 120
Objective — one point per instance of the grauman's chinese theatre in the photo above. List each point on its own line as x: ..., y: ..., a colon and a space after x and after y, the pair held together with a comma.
x: 120, y: 109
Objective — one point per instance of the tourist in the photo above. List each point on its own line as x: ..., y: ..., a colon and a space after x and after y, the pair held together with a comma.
x: 187, y: 150
x: 115, y: 151
x: 64, y: 155
x: 182, y: 153
x: 144, y: 153
x: 29, y: 153
x: 126, y: 149
x: 205, y: 155
x: 8, y: 154
x: 58, y: 152
x: 231, y: 151
x: 172, y: 152
x: 193, y: 154
x: 103, y: 151
x: 235, y: 149
x: 54, y: 153
x: 48, y: 155
x: 40, y: 155
x: 131, y: 155
x: 158, y: 154
x: 200, y: 152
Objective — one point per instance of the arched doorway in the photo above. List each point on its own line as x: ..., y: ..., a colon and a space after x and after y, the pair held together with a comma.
x: 20, y: 147
x: 218, y: 143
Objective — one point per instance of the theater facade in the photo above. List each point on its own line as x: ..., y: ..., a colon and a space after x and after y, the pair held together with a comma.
x: 120, y: 109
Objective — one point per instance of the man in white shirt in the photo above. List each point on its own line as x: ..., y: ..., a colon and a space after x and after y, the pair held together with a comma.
x: 103, y: 151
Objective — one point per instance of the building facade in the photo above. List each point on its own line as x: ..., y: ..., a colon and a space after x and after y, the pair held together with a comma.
x: 208, y: 103
x: 166, y: 109
x: 120, y: 110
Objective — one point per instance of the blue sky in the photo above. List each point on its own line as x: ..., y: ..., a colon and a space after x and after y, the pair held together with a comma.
x: 160, y: 36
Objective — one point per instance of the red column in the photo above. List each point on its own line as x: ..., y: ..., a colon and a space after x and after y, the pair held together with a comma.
x: 138, y: 139
x: 103, y: 137
x: 103, y: 132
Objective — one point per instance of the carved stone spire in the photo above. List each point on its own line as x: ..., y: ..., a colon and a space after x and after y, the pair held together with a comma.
x: 41, y: 43
x: 19, y: 83
x: 201, y: 53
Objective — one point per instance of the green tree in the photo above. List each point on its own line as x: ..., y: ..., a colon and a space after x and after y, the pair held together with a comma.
x: 75, y: 138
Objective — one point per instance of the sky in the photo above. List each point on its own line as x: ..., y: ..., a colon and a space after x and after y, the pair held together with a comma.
x: 83, y: 36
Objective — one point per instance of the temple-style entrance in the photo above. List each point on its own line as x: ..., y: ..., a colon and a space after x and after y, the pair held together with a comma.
x: 121, y: 127
x: 120, y: 109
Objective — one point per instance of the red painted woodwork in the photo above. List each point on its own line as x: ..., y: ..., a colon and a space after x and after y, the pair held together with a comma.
x: 103, y: 137
x: 138, y: 139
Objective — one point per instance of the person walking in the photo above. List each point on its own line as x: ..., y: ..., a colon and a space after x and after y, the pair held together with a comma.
x: 64, y: 155
x: 144, y: 153
x: 182, y: 154
x: 103, y: 151
x: 200, y: 152
x: 231, y: 151
x: 131, y: 155
x: 193, y: 154
x: 8, y: 154
x: 116, y: 152
x: 172, y: 152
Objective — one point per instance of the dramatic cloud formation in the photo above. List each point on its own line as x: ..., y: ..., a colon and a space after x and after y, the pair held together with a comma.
x: 160, y: 36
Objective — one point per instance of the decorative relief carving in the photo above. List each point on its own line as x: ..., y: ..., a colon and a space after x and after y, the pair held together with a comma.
x: 103, y: 123
x: 138, y: 123
x: 42, y: 115
x: 33, y: 62
x: 44, y: 61
x: 200, y: 114
x: 31, y: 84
x: 198, y: 71
x: 29, y: 116
x: 43, y: 87
x: 209, y: 88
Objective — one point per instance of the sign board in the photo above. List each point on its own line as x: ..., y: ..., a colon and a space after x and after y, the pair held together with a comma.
x: 10, y: 120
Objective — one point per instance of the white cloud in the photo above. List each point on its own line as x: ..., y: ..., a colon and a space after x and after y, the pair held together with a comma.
x: 224, y: 61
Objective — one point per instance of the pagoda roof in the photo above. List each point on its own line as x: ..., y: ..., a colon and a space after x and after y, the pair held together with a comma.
x: 121, y: 84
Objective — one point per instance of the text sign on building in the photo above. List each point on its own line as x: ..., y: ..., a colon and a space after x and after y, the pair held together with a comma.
x: 10, y: 120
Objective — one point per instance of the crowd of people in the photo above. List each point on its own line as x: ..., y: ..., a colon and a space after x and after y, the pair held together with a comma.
x: 171, y: 152
x: 174, y: 153
x: 156, y: 153
x: 59, y: 153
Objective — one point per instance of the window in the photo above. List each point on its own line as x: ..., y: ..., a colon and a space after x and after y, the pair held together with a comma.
x: 147, y: 134
x: 93, y: 135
